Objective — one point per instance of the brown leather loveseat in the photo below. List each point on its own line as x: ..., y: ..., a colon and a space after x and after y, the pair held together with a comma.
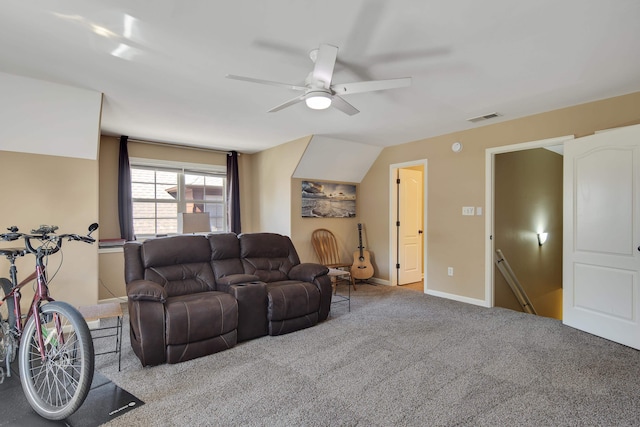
x: 193, y: 295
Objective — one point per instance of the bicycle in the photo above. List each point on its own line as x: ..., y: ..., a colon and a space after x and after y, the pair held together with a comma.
x: 54, y: 345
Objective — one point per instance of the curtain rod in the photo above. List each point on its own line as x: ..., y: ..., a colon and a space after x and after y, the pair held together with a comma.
x: 175, y: 145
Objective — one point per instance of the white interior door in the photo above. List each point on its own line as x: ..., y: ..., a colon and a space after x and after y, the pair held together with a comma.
x: 411, y: 227
x: 601, y: 265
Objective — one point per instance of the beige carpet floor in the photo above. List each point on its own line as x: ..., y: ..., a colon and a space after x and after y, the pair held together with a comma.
x: 399, y: 358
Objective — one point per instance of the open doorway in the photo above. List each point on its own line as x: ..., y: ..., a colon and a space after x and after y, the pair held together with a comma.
x: 408, y: 201
x: 524, y: 200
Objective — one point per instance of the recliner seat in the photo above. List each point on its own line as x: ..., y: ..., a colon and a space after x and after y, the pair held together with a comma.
x: 294, y: 300
x: 175, y: 311
x: 193, y: 295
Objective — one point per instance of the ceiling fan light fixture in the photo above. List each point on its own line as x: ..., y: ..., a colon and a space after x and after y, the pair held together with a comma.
x: 318, y: 100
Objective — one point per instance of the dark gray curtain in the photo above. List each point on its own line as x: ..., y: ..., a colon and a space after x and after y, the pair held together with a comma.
x: 233, y: 192
x: 125, y: 207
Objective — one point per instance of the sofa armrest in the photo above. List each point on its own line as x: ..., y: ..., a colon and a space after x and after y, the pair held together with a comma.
x: 146, y: 290
x: 223, y: 284
x: 317, y: 275
x: 307, y: 272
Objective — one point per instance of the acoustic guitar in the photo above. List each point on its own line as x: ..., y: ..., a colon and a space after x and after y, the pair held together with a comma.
x: 361, y: 268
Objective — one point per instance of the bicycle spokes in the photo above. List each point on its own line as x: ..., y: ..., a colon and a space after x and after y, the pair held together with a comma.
x: 56, y: 360
x: 56, y: 378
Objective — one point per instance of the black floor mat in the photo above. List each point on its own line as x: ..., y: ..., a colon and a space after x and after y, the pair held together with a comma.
x: 104, y: 402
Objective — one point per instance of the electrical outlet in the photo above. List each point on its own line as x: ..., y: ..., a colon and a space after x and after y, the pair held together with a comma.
x: 450, y: 271
x: 468, y: 210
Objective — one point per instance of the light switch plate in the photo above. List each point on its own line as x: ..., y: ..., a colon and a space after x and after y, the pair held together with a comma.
x: 468, y: 210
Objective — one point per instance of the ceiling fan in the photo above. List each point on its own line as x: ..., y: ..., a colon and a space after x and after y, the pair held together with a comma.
x: 318, y: 92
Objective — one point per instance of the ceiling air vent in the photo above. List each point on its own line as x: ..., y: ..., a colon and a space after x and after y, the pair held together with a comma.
x: 484, y: 117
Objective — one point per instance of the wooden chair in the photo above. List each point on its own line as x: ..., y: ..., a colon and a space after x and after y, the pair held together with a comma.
x: 326, y: 247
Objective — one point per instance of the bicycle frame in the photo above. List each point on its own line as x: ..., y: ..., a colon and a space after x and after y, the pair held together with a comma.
x: 41, y: 294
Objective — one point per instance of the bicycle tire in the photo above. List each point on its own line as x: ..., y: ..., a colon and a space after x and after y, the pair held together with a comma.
x: 7, y: 322
x: 56, y: 388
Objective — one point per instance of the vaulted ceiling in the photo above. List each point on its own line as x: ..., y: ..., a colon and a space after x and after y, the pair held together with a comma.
x: 162, y: 64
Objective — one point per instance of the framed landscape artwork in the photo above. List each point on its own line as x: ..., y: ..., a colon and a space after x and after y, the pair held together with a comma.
x: 328, y: 200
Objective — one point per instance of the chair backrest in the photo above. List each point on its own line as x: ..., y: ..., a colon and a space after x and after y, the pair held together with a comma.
x: 326, y: 247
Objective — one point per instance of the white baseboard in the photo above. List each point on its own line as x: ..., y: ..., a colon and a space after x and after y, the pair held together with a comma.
x: 377, y: 281
x: 455, y: 297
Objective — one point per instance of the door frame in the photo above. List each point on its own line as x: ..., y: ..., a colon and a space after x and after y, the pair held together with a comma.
x: 489, y: 297
x: 393, y: 196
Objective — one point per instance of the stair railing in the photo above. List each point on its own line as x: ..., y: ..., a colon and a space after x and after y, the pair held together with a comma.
x: 514, y: 284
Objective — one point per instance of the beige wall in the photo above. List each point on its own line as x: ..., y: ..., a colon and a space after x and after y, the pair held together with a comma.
x: 271, y: 187
x: 111, y: 274
x: 528, y: 196
x: 458, y: 179
x: 52, y: 190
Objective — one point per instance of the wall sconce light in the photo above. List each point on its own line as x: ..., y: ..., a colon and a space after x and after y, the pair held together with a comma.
x: 542, y: 237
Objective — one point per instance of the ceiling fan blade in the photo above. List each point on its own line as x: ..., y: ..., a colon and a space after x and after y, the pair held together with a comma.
x: 370, y: 86
x: 289, y: 103
x: 265, y: 82
x: 325, y: 61
x: 343, y: 105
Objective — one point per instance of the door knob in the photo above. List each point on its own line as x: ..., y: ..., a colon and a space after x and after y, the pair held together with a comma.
x: 420, y: 232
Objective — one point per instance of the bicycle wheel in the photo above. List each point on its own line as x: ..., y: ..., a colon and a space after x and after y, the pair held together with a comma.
x: 56, y: 386
x: 7, y: 322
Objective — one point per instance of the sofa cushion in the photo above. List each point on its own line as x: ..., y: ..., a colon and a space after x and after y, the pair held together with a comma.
x: 196, y: 317
x: 183, y: 279
x: 290, y: 298
x: 225, y: 254
x: 179, y: 263
x: 185, y: 249
x: 269, y: 256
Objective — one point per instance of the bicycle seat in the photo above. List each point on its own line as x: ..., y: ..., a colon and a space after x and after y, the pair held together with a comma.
x: 12, y: 251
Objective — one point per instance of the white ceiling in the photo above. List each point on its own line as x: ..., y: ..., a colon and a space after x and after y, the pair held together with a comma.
x: 466, y: 58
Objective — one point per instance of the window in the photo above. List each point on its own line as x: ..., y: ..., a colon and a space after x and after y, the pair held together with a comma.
x: 160, y: 194
x: 206, y: 193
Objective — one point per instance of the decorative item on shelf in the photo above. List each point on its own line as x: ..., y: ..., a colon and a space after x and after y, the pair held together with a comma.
x: 542, y: 237
x: 195, y: 222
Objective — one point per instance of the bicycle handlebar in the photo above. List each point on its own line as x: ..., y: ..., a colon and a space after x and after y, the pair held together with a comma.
x: 10, y: 236
x: 46, y: 233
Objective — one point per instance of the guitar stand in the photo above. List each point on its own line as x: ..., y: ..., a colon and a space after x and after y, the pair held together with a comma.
x: 363, y: 282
